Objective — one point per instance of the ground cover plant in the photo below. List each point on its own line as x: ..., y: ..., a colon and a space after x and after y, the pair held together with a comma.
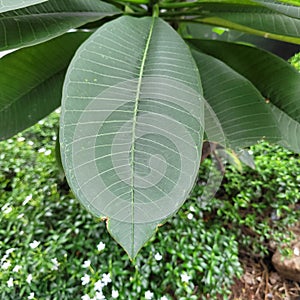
x: 142, y: 84
x: 52, y: 248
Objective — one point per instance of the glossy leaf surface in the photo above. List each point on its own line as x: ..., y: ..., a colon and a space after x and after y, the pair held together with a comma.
x: 276, y: 79
x: 238, y: 106
x: 131, y: 127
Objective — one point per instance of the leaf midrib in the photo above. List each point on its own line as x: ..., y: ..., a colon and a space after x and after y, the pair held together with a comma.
x: 134, y: 121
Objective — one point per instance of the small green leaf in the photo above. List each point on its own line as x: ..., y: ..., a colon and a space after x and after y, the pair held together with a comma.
x: 246, y: 158
x: 131, y: 131
x: 231, y: 157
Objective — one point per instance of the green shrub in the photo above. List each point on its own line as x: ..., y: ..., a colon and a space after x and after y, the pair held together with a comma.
x: 295, y: 61
x: 188, y: 258
x: 198, y: 245
x: 258, y: 205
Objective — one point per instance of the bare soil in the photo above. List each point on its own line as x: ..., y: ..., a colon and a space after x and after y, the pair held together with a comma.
x: 261, y: 282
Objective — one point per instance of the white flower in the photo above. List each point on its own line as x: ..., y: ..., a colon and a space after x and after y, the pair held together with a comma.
x: 85, y: 297
x: 10, y: 282
x: 99, y: 285
x: 21, y: 139
x: 100, y: 246
x: 115, y: 294
x: 10, y: 250
x: 296, y: 251
x: 163, y: 298
x: 7, y: 210
x: 185, y: 277
x: 190, y: 216
x: 48, y: 213
x: 192, y: 209
x: 29, y: 278
x: 20, y: 216
x: 5, y: 206
x: 100, y: 296
x: 55, y: 263
x: 30, y: 143
x: 106, y: 278
x: 47, y: 152
x: 31, y: 296
x: 86, y: 264
x: 27, y: 199
x: 17, y: 268
x: 4, y: 258
x: 6, y: 265
x: 41, y: 150
x: 85, y: 279
x: 148, y: 295
x: 157, y: 256
x: 34, y: 244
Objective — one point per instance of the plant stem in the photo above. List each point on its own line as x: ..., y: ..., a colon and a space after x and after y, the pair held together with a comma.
x: 195, y: 13
x: 155, y: 10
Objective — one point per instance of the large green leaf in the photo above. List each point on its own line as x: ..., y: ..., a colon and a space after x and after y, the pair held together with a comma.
x: 6, y: 5
x: 277, y: 81
x: 31, y: 81
x: 131, y: 130
x: 39, y: 23
x: 240, y: 109
x: 252, y: 19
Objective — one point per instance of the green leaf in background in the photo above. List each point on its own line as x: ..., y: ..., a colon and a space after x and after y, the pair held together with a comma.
x: 239, y: 107
x: 252, y: 19
x: 290, y: 129
x: 131, y: 126
x: 246, y: 157
x: 276, y: 79
x: 209, y: 32
x: 38, y: 73
x: 283, y: 8
x: 7, y: 5
x: 42, y: 22
x: 231, y: 157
